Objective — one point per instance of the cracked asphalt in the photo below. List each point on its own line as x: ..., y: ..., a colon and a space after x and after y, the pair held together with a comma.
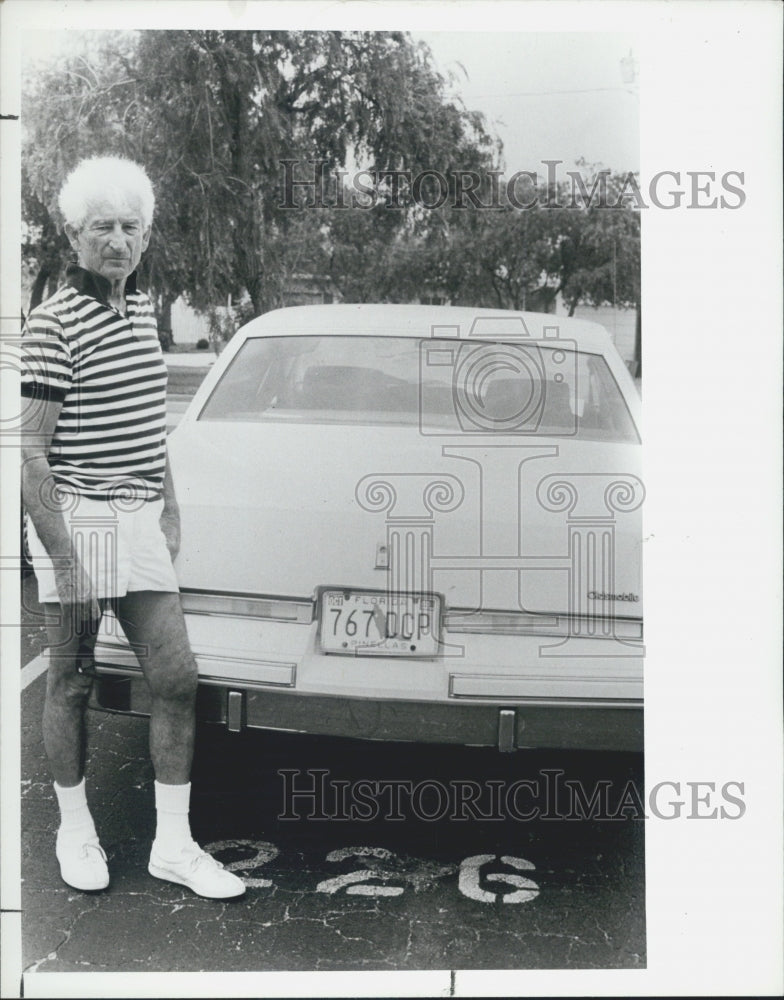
x: 333, y: 894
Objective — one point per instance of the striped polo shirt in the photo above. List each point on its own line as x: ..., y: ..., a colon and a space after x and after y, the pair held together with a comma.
x: 108, y: 371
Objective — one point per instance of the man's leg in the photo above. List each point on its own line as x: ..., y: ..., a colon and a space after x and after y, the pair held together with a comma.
x: 154, y: 625
x: 68, y: 682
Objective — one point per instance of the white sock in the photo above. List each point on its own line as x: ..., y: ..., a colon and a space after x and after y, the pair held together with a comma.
x: 76, y: 822
x: 173, y: 831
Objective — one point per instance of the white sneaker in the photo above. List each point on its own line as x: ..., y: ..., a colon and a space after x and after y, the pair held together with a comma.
x: 197, y: 870
x: 82, y: 863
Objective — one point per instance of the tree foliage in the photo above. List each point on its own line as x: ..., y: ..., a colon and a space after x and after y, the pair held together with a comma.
x: 213, y: 116
x: 578, y: 250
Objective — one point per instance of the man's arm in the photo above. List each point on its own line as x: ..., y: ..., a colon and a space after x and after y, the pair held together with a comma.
x: 170, y: 518
x: 39, y: 492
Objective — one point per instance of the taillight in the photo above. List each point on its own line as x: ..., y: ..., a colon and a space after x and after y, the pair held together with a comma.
x: 239, y: 606
x: 521, y: 623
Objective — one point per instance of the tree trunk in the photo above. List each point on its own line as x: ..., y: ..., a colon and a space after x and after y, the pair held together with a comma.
x: 165, y: 321
x: 164, y: 304
x: 638, y: 344
x: 256, y: 296
x: 39, y: 285
x: 497, y: 291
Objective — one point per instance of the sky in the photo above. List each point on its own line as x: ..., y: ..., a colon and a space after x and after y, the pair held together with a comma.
x: 548, y: 95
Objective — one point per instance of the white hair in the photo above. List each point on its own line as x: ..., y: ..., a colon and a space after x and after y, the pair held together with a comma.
x: 103, y: 177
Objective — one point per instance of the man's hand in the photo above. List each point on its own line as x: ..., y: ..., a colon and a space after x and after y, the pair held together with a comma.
x: 75, y: 592
x: 170, y: 526
x: 39, y: 489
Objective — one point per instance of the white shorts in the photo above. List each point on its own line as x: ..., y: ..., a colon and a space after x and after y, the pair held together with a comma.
x: 122, y: 550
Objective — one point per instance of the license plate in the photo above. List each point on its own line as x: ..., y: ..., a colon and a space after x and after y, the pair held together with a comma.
x: 376, y: 623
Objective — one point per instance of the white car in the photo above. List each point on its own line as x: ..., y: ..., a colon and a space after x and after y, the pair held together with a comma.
x: 410, y: 523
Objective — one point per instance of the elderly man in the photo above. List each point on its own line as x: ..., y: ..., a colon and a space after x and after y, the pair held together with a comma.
x: 105, y: 522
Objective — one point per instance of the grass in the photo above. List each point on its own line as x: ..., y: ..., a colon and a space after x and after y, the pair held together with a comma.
x: 185, y: 381
x: 188, y: 348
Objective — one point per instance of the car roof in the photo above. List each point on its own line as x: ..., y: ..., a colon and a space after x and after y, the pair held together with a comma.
x: 425, y: 320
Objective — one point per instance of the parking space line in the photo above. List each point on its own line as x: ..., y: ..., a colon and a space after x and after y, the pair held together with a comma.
x: 34, y: 669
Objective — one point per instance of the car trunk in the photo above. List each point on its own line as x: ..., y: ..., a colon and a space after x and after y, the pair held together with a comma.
x: 530, y: 523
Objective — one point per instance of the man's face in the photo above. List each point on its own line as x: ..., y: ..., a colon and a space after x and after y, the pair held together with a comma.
x: 112, y: 239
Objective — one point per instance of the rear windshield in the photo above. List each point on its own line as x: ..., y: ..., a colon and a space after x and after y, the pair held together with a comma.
x: 440, y: 386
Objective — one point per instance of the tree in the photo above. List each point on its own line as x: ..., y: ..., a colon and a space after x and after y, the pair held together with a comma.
x: 213, y: 116
x: 218, y: 117
x: 598, y: 258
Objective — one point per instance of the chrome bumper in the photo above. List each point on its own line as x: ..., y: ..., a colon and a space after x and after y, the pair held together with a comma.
x: 522, y: 724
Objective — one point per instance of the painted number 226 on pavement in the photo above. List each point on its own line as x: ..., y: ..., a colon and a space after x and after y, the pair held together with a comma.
x: 380, y: 869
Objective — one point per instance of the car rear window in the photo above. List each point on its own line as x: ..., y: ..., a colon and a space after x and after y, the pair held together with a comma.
x: 439, y: 385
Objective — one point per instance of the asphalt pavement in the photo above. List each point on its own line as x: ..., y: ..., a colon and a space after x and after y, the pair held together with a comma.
x: 325, y: 891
